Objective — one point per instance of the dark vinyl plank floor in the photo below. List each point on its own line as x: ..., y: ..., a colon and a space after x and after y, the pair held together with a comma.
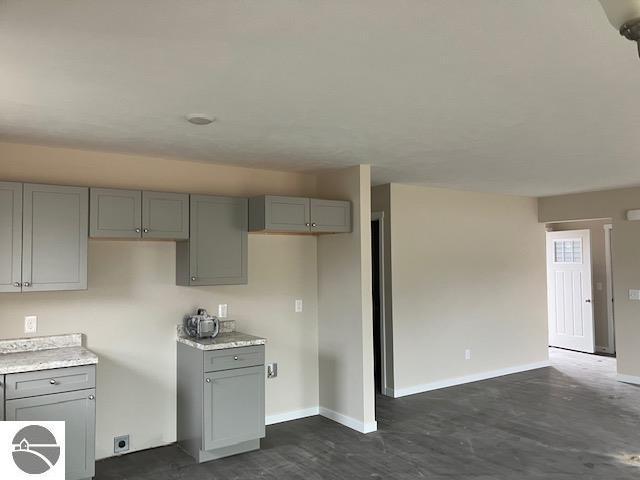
x: 570, y: 421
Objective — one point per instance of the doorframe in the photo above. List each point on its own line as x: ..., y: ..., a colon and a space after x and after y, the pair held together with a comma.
x: 611, y: 347
x: 379, y: 217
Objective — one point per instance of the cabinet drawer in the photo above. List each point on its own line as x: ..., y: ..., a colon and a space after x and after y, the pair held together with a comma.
x: 230, y: 358
x: 45, y: 382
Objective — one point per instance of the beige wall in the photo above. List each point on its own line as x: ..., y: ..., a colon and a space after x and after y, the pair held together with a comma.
x: 132, y: 305
x: 599, y: 273
x: 468, y: 273
x: 345, y: 325
x: 625, y: 259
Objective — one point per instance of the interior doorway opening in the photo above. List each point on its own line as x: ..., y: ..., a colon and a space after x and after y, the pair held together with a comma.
x: 377, y: 289
x: 581, y: 308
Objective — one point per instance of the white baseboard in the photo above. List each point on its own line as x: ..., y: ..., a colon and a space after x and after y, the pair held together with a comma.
x: 292, y: 415
x: 475, y: 377
x: 628, y: 379
x: 349, y: 421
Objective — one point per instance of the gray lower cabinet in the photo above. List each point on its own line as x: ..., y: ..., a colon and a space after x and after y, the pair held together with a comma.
x: 115, y: 213
x: 1, y: 398
x: 220, y: 412
x: 54, y: 238
x: 10, y: 237
x: 59, y: 395
x: 217, y: 249
x: 270, y: 213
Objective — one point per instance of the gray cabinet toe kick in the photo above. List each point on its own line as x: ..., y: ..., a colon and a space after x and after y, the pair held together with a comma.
x: 220, y: 401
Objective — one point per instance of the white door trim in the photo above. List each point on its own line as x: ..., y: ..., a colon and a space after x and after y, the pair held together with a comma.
x: 611, y: 347
x: 379, y: 216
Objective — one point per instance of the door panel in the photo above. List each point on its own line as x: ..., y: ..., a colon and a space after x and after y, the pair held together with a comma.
x: 115, y: 213
x: 218, y: 245
x: 330, y: 216
x: 570, y: 306
x: 233, y: 407
x: 165, y: 215
x: 10, y: 237
x: 287, y: 214
x: 54, y: 240
x: 77, y: 410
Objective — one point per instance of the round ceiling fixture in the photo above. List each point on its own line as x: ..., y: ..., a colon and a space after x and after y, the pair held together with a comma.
x: 624, y: 15
x: 200, y: 118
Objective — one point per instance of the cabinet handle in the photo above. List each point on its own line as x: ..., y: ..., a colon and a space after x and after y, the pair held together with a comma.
x: 137, y: 230
x: 193, y: 279
x: 26, y: 284
x: 17, y: 284
x: 146, y: 230
x: 52, y: 381
x: 235, y: 358
x: 208, y: 380
x: 92, y: 397
x: 307, y: 224
x: 314, y: 224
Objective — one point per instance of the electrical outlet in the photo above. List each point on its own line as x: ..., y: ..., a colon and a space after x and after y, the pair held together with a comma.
x: 222, y: 310
x: 31, y: 324
x: 272, y: 370
x: 467, y: 354
x: 634, y: 294
x: 121, y: 444
x: 298, y: 307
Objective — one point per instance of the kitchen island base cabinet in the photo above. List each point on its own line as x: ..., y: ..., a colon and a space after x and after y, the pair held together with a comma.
x: 221, y: 411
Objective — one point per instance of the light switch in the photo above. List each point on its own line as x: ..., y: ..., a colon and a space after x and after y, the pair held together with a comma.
x: 467, y: 354
x: 298, y: 306
x: 222, y: 310
x: 634, y: 294
x: 30, y: 324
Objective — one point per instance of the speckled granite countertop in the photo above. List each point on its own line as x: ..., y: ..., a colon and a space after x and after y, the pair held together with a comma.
x: 222, y: 341
x: 44, y: 353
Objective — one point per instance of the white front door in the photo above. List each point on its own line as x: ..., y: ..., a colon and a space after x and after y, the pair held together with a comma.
x: 569, y: 290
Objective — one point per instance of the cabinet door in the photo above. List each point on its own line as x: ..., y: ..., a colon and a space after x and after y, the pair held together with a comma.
x: 218, y: 243
x: 287, y: 214
x: 54, y: 238
x: 233, y: 407
x: 330, y: 216
x: 165, y: 215
x: 115, y: 213
x: 78, y: 411
x: 10, y: 237
x: 1, y: 398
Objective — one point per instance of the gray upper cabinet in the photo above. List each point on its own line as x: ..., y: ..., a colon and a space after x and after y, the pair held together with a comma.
x: 10, y: 237
x: 216, y: 252
x: 115, y: 213
x: 165, y: 215
x: 299, y: 215
x: 54, y: 238
x: 330, y: 216
x: 78, y: 410
x: 279, y: 214
x: 136, y: 214
x: 233, y: 408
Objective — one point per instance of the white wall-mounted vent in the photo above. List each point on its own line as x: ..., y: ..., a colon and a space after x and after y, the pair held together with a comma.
x: 633, y: 214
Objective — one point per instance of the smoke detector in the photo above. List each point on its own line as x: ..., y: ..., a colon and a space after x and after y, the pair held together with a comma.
x: 624, y: 15
x: 200, y: 118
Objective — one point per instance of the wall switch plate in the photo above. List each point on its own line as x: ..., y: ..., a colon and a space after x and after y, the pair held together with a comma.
x: 31, y: 324
x: 634, y: 294
x: 467, y: 354
x: 222, y: 310
x: 121, y: 444
x: 272, y: 370
x: 298, y: 307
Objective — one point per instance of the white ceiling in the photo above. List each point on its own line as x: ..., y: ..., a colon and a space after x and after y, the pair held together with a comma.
x: 528, y: 97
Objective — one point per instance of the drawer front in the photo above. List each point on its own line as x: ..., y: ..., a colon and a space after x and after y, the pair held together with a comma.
x: 45, y: 382
x: 230, y: 358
